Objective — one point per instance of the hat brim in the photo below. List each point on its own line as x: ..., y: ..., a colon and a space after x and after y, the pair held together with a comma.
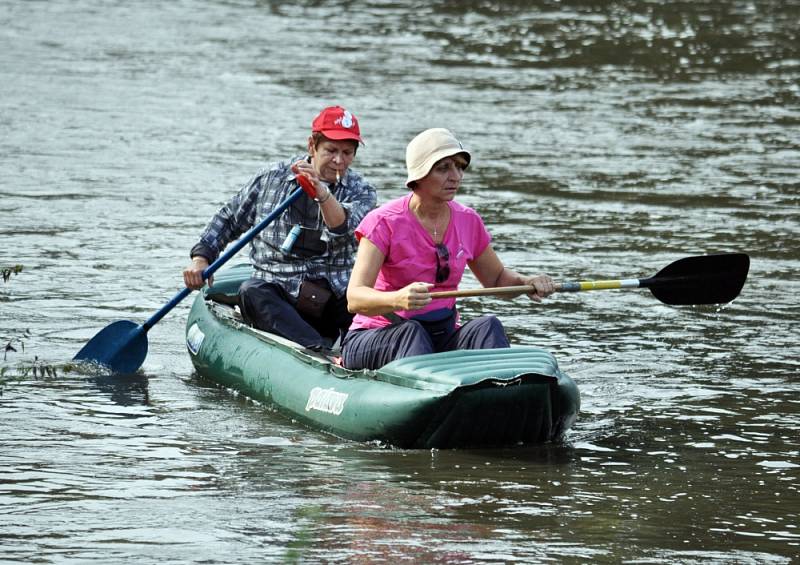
x: 422, y: 171
x: 339, y: 135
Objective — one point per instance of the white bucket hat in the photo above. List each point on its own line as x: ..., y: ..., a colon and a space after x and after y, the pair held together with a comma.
x: 429, y: 147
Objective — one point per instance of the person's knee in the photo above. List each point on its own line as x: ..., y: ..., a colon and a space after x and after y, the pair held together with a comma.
x: 497, y: 332
x: 256, y: 292
x: 487, y: 332
x: 412, y: 332
x: 412, y: 329
x: 258, y: 300
x: 246, y: 291
x: 411, y: 338
x: 494, y: 324
x: 249, y: 286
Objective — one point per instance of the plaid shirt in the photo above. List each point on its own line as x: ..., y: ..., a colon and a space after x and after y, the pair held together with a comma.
x: 330, y: 256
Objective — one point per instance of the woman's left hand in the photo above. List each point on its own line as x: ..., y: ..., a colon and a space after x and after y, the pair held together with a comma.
x: 543, y: 284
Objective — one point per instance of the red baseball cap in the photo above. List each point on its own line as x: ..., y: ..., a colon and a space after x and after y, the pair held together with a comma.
x: 334, y: 122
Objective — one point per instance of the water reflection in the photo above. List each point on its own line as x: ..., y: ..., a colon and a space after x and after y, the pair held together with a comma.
x: 125, y: 390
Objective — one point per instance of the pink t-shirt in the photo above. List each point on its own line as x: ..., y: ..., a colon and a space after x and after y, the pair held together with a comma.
x: 410, y: 252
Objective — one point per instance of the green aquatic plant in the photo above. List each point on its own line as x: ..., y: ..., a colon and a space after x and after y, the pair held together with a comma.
x: 8, y: 271
x: 36, y: 369
x: 23, y: 369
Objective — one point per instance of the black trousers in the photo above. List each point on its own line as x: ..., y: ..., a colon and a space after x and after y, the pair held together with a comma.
x: 268, y: 307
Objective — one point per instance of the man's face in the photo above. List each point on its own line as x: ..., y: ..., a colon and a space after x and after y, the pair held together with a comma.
x: 330, y: 157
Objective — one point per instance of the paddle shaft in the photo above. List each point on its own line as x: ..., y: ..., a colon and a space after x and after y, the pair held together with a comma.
x: 222, y: 259
x: 702, y: 279
x: 525, y: 289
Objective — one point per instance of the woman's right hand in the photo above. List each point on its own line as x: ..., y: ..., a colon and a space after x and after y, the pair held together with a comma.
x: 193, y: 274
x: 414, y: 296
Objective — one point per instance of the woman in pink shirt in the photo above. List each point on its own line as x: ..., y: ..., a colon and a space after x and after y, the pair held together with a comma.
x: 418, y: 244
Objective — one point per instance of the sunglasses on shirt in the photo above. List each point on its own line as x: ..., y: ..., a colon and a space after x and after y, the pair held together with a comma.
x: 442, y: 263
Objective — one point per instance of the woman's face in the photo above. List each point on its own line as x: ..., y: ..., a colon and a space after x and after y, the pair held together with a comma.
x: 443, y: 179
x: 330, y: 157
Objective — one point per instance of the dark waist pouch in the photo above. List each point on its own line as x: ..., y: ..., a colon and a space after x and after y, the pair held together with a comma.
x: 312, y: 298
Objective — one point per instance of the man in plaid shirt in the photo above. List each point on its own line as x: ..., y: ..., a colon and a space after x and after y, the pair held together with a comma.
x: 310, y: 249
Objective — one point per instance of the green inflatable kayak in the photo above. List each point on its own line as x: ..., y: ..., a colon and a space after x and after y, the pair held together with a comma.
x: 468, y: 399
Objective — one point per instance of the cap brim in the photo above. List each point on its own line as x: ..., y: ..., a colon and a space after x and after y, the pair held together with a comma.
x: 339, y: 135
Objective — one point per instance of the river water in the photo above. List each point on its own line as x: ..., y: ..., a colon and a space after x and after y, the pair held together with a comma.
x: 609, y: 139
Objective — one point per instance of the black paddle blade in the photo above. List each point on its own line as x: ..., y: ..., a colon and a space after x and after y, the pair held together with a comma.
x: 703, y: 279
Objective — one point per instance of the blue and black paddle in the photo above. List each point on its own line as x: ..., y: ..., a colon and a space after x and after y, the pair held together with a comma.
x: 701, y: 279
x: 122, y: 346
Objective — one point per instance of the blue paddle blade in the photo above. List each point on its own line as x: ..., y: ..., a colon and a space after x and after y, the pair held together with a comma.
x: 121, y: 346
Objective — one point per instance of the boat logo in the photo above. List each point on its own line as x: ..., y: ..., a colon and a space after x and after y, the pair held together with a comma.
x: 326, y: 400
x: 513, y: 382
x: 194, y: 338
